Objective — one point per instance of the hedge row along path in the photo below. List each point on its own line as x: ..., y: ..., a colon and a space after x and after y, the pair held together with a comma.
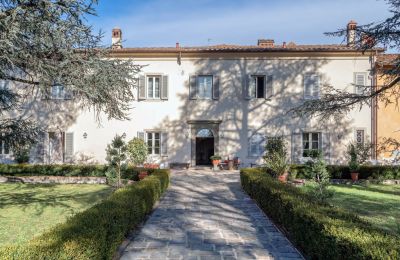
x: 206, y: 215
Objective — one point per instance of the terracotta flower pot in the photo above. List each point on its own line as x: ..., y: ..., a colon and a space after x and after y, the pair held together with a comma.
x: 283, y: 178
x: 354, y: 176
x: 216, y: 162
x: 142, y: 175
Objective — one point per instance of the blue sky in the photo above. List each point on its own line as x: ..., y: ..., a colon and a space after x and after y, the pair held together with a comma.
x: 202, y: 22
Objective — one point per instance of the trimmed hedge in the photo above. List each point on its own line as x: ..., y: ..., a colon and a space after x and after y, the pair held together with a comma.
x: 320, y: 231
x: 97, y: 232
x: 381, y: 172
x: 67, y: 170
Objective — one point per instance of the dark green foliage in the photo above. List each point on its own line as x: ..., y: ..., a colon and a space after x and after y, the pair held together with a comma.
x: 276, y: 157
x: 117, y: 155
x: 320, y: 231
x: 381, y: 172
x: 320, y: 176
x: 97, y: 232
x: 21, y: 154
x: 127, y: 172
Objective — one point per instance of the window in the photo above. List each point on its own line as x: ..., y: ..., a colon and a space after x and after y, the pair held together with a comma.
x: 311, y: 86
x: 57, y: 92
x: 153, y: 142
x: 153, y: 87
x: 311, y: 143
x: 204, y: 86
x: 256, y: 145
x: 257, y: 87
x: 360, y: 83
x: 360, y: 136
x: 4, y: 146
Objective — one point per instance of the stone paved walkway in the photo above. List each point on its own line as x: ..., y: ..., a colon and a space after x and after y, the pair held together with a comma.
x: 206, y: 215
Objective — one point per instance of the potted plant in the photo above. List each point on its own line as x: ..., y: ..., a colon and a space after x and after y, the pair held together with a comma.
x: 215, y: 159
x: 354, y: 165
x: 276, y: 158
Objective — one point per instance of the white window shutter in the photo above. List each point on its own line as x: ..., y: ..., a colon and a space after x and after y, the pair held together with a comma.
x: 325, y: 146
x: 164, y: 87
x: 193, y: 87
x: 297, y: 146
x: 360, y: 83
x: 316, y: 86
x: 261, y: 145
x: 307, y: 86
x: 69, y: 145
x: 142, y: 87
x: 249, y: 136
x: 269, y: 91
x: 141, y: 136
x: 164, y: 143
x: 250, y: 89
x: 215, y: 87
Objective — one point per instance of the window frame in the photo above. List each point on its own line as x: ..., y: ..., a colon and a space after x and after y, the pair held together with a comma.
x: 3, y: 144
x: 356, y: 86
x: 311, y: 96
x: 198, y: 86
x: 153, y: 146
x: 153, y: 77
x: 60, y: 93
x: 310, y: 142
x: 259, y: 145
x: 254, y: 78
x: 356, y: 136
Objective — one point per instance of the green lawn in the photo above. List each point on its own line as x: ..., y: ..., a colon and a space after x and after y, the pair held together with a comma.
x: 27, y: 210
x: 377, y: 204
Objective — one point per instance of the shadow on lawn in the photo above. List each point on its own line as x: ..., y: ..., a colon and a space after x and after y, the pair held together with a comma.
x: 41, y: 196
x: 375, y: 189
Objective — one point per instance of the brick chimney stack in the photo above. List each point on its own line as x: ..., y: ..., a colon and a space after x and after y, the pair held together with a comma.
x: 351, y: 33
x: 266, y: 43
x: 116, y: 38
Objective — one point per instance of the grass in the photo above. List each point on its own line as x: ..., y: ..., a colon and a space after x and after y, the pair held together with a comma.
x: 378, y: 204
x: 27, y: 210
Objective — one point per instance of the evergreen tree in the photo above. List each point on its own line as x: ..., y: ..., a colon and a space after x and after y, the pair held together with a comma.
x: 47, y: 42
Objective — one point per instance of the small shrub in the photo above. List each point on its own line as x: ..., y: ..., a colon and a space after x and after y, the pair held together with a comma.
x: 21, y: 154
x: 320, y: 177
x: 137, y: 151
x: 117, y: 155
x: 276, y: 156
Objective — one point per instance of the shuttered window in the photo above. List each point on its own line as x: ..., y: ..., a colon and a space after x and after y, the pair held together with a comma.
x: 157, y: 142
x: 256, y: 144
x: 311, y: 143
x: 69, y: 145
x: 360, y: 136
x: 311, y: 86
x: 204, y: 87
x: 4, y: 146
x: 259, y: 86
x: 153, y: 87
x: 360, y: 83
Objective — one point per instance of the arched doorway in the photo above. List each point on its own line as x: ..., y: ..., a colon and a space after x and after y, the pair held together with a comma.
x: 204, y: 146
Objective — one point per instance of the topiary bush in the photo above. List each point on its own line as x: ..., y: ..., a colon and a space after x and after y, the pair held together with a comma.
x: 318, y: 230
x: 97, y: 232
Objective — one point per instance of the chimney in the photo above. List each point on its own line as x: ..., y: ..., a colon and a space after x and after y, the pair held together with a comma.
x: 116, y: 38
x: 284, y: 45
x: 265, y: 43
x: 177, y: 45
x: 351, y: 33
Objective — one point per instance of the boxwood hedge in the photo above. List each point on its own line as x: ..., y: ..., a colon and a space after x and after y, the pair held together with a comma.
x: 97, y: 232
x: 320, y: 231
x: 66, y: 170
x: 381, y: 172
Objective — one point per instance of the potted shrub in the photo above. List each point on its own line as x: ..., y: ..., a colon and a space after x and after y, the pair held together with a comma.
x: 215, y: 159
x: 276, y: 158
x: 354, y: 165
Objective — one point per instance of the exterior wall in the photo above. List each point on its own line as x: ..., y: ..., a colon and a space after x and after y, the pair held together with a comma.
x: 236, y: 114
x: 388, y: 117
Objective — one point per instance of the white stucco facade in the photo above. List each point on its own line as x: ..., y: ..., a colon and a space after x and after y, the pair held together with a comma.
x: 232, y: 117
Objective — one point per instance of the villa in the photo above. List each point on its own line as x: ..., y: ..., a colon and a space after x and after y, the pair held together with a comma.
x: 193, y: 102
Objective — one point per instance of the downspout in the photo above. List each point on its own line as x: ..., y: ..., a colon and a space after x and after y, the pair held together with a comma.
x: 374, y: 121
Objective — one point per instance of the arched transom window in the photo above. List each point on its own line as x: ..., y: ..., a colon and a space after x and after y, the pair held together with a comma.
x: 204, y: 133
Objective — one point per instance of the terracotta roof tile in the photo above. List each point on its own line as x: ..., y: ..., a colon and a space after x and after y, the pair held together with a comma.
x: 243, y: 48
x: 387, y: 59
